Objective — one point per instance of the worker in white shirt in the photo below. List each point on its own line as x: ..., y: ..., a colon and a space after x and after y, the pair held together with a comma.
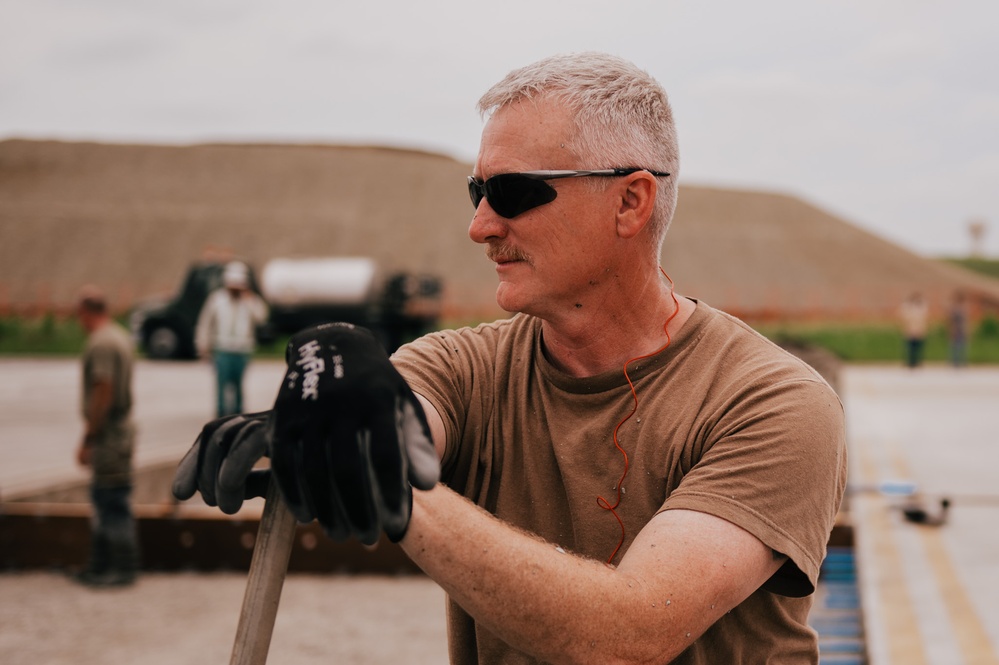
x: 227, y: 331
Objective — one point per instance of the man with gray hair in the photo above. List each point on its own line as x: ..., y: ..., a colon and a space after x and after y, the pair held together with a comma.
x: 628, y: 475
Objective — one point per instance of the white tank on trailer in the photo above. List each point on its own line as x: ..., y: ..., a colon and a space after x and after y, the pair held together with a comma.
x: 319, y: 281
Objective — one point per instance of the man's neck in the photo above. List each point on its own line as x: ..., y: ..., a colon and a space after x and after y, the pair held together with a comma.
x: 97, y: 323
x: 604, y: 340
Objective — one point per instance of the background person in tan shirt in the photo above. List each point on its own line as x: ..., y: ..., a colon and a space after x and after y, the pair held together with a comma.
x: 108, y: 442
x: 915, y: 316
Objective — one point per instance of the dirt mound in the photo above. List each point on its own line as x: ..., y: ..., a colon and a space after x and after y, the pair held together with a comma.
x: 130, y: 218
x: 766, y: 255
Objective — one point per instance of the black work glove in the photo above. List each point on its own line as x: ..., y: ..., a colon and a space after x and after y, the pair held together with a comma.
x: 346, y: 438
x: 220, y: 463
x: 349, y: 435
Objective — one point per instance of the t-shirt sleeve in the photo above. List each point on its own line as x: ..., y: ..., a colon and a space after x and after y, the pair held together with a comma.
x: 103, y: 363
x: 429, y: 366
x: 775, y: 465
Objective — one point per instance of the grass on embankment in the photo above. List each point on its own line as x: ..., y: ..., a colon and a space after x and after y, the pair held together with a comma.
x: 885, y: 343
x: 58, y: 336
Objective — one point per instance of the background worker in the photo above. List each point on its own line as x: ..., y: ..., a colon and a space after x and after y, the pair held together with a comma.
x: 629, y: 475
x: 226, y: 331
x: 915, y: 316
x: 108, y: 442
x: 957, y: 328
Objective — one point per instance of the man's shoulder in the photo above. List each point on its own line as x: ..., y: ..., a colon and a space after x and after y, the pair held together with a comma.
x: 472, y: 350
x: 111, y: 337
x: 519, y: 327
x: 217, y: 297
x: 739, y: 347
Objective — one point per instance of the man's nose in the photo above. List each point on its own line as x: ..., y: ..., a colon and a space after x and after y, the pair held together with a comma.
x: 486, y: 224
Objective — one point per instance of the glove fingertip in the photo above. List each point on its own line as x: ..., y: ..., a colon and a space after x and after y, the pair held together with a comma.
x: 256, y: 484
x: 395, y: 535
x: 301, y: 516
x: 230, y: 504
x: 424, y: 468
x: 185, y: 479
x: 395, y: 526
x: 336, y: 532
x: 183, y: 488
x: 425, y: 482
x: 395, y: 520
x: 369, y: 539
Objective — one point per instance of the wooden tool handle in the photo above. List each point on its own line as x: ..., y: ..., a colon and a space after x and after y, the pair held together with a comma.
x: 263, y: 588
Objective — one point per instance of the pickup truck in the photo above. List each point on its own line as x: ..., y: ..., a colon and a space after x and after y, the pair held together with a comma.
x: 300, y: 293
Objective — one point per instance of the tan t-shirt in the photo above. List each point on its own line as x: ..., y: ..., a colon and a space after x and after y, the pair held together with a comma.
x: 727, y: 424
x: 108, y: 356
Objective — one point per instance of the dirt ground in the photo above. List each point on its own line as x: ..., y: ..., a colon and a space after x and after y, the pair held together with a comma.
x: 170, y: 619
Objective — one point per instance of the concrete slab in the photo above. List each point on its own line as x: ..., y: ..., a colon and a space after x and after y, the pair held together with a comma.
x: 40, y: 425
x: 930, y: 593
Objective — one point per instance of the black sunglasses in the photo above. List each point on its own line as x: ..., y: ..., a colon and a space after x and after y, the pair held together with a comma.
x: 512, y: 194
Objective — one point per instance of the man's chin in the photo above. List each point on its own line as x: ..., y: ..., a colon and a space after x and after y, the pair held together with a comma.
x: 508, y: 308
x: 508, y: 300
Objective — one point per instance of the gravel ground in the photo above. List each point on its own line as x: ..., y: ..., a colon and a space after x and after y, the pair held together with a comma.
x: 46, y: 619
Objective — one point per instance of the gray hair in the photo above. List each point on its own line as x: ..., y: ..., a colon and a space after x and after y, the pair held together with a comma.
x: 621, y: 114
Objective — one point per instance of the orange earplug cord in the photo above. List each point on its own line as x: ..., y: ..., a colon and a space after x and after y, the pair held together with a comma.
x: 601, y: 501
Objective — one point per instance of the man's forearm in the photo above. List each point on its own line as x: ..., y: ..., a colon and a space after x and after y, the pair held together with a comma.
x: 98, y: 409
x: 554, y: 605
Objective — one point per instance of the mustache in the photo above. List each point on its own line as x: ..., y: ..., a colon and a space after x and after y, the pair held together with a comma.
x: 506, y: 253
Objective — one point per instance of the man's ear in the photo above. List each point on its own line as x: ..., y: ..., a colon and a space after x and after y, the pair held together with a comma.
x: 638, y: 198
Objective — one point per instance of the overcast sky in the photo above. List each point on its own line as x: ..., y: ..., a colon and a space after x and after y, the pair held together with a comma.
x: 883, y: 112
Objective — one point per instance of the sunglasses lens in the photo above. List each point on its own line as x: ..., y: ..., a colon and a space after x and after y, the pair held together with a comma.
x: 511, y: 194
x: 476, y: 191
